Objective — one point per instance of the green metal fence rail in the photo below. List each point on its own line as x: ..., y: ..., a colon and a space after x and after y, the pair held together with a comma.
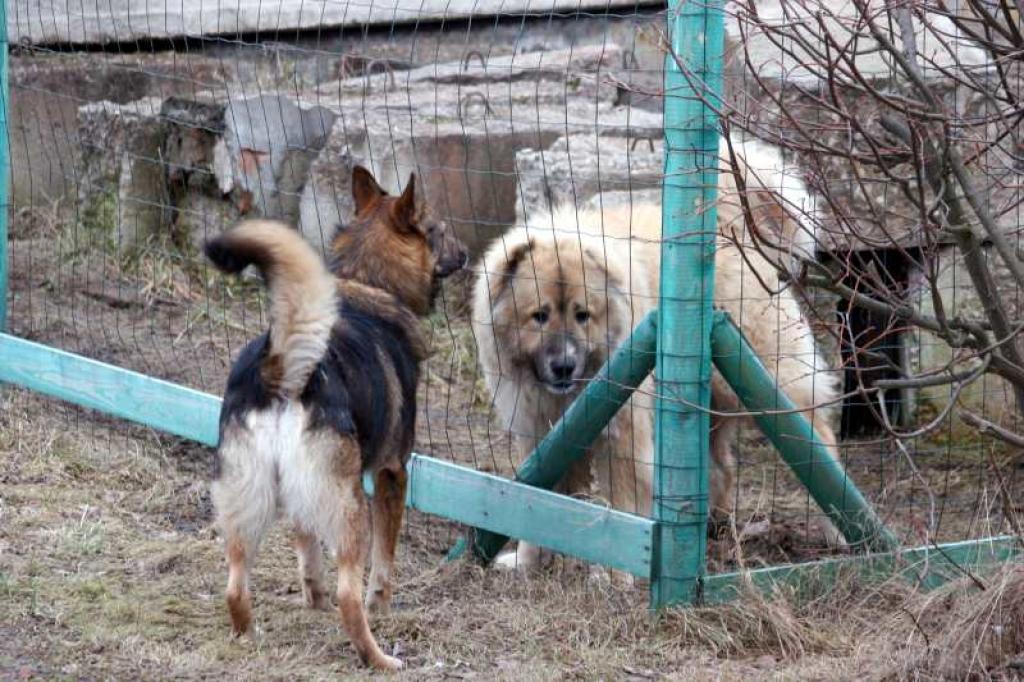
x: 575, y: 527
x: 499, y: 506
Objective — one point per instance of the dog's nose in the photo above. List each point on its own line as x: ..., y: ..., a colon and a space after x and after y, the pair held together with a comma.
x: 562, y: 369
x: 452, y: 265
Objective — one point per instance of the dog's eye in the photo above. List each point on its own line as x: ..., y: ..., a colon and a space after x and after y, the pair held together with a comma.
x: 540, y: 317
x: 582, y: 316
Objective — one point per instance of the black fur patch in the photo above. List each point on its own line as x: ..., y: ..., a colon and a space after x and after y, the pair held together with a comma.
x: 347, y: 392
x: 353, y: 361
x: 233, y: 257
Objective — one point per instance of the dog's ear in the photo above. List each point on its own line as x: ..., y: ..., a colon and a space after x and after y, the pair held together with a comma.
x: 502, y: 279
x: 403, y: 211
x: 364, y: 188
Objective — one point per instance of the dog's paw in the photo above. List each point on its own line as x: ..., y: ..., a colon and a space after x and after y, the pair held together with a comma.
x: 511, y: 561
x: 601, y: 576
x: 834, y: 540
x: 316, y: 599
x: 524, y: 558
x: 388, y: 663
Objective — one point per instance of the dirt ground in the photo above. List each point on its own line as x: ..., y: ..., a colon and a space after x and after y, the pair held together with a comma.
x: 110, y: 569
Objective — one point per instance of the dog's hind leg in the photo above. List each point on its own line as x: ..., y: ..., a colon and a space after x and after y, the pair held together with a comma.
x: 239, y: 598
x: 722, y: 477
x: 311, y: 572
x: 244, y: 496
x: 323, y: 490
x: 351, y: 557
x: 388, y: 506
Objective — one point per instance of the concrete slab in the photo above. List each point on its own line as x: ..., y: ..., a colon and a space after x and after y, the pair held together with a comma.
x: 841, y: 21
x: 578, y: 168
x: 56, y: 21
x: 289, y: 155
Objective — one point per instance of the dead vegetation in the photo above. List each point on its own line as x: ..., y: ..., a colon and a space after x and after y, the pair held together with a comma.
x: 109, y: 568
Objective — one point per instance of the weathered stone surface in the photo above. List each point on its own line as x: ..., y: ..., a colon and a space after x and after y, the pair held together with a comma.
x: 326, y: 198
x: 465, y: 159
x: 458, y: 127
x: 461, y: 141
x: 476, y: 68
x: 575, y: 169
x: 271, y: 140
x: 990, y: 395
x: 49, y: 21
x: 122, y: 190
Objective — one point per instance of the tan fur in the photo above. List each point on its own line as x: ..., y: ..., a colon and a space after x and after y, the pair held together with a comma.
x: 388, y: 307
x: 611, y: 259
x: 273, y: 464
x: 555, y: 269
x: 310, y: 560
x: 376, y: 256
x: 303, y: 302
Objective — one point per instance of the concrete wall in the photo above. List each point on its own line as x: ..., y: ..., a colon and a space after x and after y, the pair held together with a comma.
x: 51, y: 21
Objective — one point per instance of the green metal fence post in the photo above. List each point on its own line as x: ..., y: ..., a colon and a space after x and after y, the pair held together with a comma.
x: 5, y: 164
x: 693, y: 67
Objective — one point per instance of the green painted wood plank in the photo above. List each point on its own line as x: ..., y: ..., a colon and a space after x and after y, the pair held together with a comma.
x: 563, y: 524
x: 927, y: 567
x: 492, y: 503
x: 586, y: 417
x: 120, y: 392
x: 797, y: 442
x: 682, y: 424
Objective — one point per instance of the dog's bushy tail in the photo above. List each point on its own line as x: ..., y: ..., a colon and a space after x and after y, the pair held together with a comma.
x: 303, y: 296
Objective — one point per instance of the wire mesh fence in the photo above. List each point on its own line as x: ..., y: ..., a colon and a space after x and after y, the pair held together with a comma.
x: 867, y: 242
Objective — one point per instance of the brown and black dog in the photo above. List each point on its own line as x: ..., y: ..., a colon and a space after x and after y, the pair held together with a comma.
x: 326, y: 394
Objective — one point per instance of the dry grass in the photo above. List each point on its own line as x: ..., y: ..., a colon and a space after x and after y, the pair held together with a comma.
x: 109, y: 568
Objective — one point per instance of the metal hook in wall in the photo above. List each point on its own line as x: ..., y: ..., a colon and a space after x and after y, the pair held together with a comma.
x: 387, y: 69
x: 623, y: 95
x: 469, y: 55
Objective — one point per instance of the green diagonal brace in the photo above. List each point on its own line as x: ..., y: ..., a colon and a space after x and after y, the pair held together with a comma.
x: 581, y: 424
x: 793, y: 436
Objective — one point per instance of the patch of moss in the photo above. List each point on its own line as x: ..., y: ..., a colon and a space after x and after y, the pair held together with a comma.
x: 100, y: 215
